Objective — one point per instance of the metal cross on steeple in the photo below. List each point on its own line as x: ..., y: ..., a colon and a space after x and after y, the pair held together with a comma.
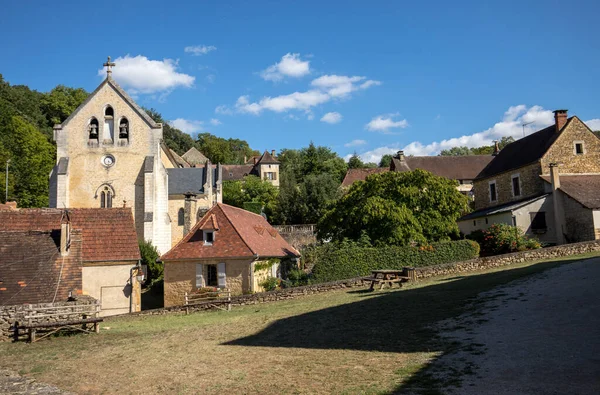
x: 108, y: 65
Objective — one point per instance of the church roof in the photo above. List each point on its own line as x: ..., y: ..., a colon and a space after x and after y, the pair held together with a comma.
x: 194, y: 157
x: 192, y: 179
x: 240, y: 234
x: 108, y: 234
x: 112, y: 83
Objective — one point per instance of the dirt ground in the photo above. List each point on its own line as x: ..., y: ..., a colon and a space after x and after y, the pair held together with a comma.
x: 539, y: 335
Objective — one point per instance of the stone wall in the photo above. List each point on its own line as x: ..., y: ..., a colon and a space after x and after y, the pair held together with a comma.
x: 298, y: 235
x: 579, y: 221
x: 11, y: 315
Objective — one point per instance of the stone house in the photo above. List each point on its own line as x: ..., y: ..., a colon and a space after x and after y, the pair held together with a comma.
x: 545, y: 183
x: 264, y: 166
x: 228, y: 248
x: 109, y: 152
x: 49, y: 252
x: 463, y: 169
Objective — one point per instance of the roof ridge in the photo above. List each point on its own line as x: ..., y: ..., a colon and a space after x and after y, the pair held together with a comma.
x: 234, y: 227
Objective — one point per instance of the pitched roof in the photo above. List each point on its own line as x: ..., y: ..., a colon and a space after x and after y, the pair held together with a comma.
x: 454, y: 167
x: 31, y: 265
x: 194, y: 157
x: 109, y: 81
x: 192, y: 179
x: 108, y: 234
x: 240, y: 234
x: 236, y: 172
x: 353, y: 175
x: 267, y: 159
x: 522, y: 152
x: 503, y: 208
x: 583, y: 188
x: 178, y: 159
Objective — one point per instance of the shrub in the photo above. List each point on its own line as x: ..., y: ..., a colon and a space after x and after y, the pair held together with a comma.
x: 149, y: 256
x: 296, y: 278
x: 347, y: 260
x: 270, y: 283
x: 502, y: 239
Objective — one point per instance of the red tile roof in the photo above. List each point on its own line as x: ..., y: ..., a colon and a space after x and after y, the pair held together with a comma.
x: 353, y: 175
x: 108, y: 234
x: 240, y: 234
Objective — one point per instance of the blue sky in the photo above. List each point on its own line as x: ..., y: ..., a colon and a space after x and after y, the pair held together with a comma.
x: 365, y: 76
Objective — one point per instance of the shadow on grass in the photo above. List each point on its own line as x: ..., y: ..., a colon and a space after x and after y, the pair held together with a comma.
x: 400, y: 322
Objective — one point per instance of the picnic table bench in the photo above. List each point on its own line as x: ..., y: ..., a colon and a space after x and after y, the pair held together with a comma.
x: 390, y: 277
x: 56, y: 318
x: 216, y: 298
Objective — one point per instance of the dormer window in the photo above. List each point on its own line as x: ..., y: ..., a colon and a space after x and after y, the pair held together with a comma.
x: 578, y: 148
x: 93, y: 130
x: 209, y: 237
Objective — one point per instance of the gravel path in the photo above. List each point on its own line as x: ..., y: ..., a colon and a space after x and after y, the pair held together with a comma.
x: 540, y: 335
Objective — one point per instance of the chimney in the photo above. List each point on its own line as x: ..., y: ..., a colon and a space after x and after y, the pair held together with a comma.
x: 273, y: 153
x: 559, y: 218
x: 189, y: 212
x: 496, y: 148
x: 65, y: 233
x: 560, y: 118
x: 245, y: 159
x: 400, y: 155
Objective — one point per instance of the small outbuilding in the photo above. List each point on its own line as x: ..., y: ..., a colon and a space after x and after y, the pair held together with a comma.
x: 228, y: 248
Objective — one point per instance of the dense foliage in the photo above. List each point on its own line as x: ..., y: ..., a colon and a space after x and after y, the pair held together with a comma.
x: 386, y: 161
x: 356, y: 163
x: 251, y: 189
x: 485, y: 150
x: 395, y: 208
x: 339, y: 261
x: 150, y: 255
x: 502, y: 239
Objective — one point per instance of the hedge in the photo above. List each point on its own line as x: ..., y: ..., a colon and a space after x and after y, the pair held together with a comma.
x: 339, y: 262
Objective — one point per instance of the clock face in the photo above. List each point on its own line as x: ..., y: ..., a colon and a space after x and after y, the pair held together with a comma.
x: 108, y: 160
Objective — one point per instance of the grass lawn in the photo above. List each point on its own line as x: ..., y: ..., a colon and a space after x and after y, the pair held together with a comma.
x: 338, y: 342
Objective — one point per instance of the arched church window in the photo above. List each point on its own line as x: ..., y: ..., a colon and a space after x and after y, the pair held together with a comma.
x: 124, y: 128
x: 106, y: 197
x: 109, y: 125
x: 93, y: 130
x: 181, y: 217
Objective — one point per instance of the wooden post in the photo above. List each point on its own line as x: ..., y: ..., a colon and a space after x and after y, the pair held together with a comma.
x: 228, y: 300
x: 187, y: 310
x: 410, y: 273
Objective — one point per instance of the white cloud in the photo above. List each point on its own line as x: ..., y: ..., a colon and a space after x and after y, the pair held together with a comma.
x: 290, y: 66
x: 211, y: 78
x: 332, y: 117
x: 593, y: 124
x: 511, y: 125
x: 355, y: 143
x: 198, y: 50
x: 215, y: 122
x: 223, y: 110
x: 186, y: 125
x: 141, y: 75
x: 342, y: 85
x: 383, y: 123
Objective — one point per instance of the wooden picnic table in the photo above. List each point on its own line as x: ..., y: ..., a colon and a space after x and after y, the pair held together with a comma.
x: 387, y: 276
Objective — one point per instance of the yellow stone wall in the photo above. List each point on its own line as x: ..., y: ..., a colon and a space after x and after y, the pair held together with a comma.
x: 270, y: 169
x: 108, y: 282
x: 177, y: 202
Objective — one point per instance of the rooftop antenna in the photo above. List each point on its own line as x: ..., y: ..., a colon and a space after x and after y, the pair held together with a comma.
x: 525, y: 124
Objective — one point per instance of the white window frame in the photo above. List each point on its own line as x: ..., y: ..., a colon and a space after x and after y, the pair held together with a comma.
x: 204, y: 238
x: 575, y: 147
x: 490, y: 191
x: 512, y: 186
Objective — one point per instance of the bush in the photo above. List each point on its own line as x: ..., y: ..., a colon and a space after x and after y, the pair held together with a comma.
x: 503, y: 239
x: 347, y: 260
x: 270, y: 283
x: 149, y: 256
x: 296, y: 278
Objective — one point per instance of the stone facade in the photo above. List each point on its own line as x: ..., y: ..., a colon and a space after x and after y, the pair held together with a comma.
x: 136, y: 177
x: 530, y: 182
x: 579, y: 221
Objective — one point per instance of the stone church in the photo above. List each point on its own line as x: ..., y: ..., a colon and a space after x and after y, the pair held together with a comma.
x: 110, y: 153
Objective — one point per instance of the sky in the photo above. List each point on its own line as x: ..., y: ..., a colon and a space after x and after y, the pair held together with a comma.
x: 370, y: 77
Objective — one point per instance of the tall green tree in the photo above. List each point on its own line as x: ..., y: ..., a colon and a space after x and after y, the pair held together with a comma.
x: 396, y: 208
x: 251, y: 189
x: 61, y: 101
x: 386, y: 161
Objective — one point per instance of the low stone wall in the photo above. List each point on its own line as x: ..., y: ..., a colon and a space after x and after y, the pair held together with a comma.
x: 421, y: 273
x: 11, y: 315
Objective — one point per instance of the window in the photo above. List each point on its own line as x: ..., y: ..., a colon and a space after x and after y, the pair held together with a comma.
x: 538, y: 221
x: 493, y: 196
x: 93, y: 130
x: 516, y: 186
x: 578, y: 148
x: 209, y: 237
x: 474, y: 222
x: 109, y: 112
x: 270, y: 175
x: 124, y: 130
x: 486, y: 221
x: 211, y: 276
x: 106, y: 197
x: 181, y: 217
x: 109, y: 125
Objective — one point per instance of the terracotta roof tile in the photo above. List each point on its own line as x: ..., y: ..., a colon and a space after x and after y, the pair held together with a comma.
x: 353, y: 175
x: 107, y: 234
x: 240, y: 234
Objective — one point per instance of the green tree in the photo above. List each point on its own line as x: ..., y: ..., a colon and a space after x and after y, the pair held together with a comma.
x: 386, y: 161
x: 291, y: 207
x: 316, y: 193
x: 251, y: 189
x: 32, y: 158
x: 150, y: 256
x: 396, y: 208
x: 354, y: 162
x: 456, y: 151
x: 61, y: 101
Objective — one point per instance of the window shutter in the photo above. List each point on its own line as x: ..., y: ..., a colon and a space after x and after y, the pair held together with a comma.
x: 221, y: 275
x: 199, y: 276
x: 274, y: 270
